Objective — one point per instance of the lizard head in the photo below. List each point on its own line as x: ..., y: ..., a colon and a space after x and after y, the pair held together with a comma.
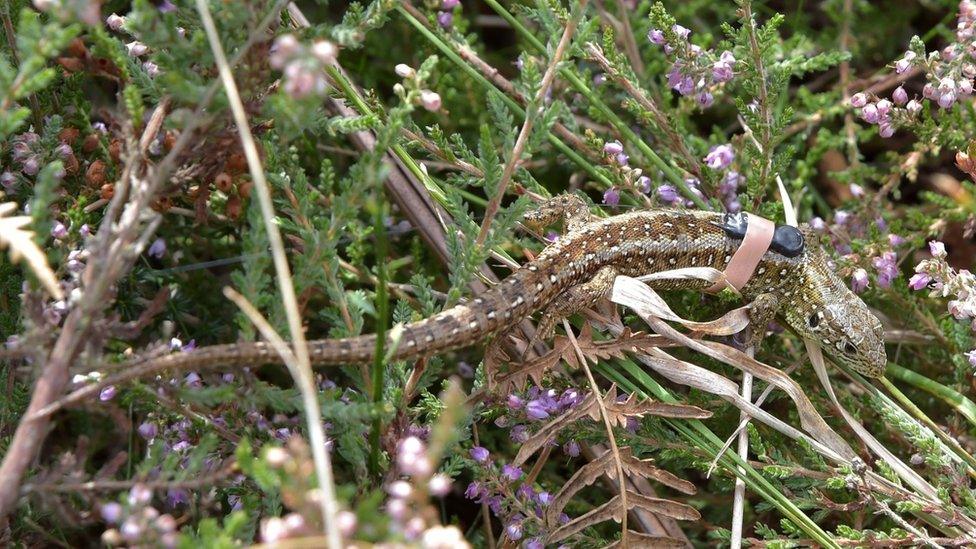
x: 834, y: 317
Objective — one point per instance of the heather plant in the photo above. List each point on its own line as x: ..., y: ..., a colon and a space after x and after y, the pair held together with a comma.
x: 177, y: 174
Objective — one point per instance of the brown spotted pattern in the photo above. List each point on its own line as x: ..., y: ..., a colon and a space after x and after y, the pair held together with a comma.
x: 812, y: 299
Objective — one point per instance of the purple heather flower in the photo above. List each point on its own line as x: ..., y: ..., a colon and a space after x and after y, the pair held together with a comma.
x: 193, y: 379
x: 841, y: 217
x: 859, y: 280
x: 899, y: 96
x: 599, y: 79
x: 705, y: 99
x: 535, y: 409
x: 480, y: 454
x: 622, y: 159
x: 445, y: 19
x: 147, y: 430
x: 928, y: 91
x: 107, y: 393
x: 720, y: 157
x: 971, y: 356
x: 514, y: 402
x: 644, y: 184
x: 919, y: 281
x: 8, y: 180
x: 514, y: 529
x: 859, y: 100
x: 613, y: 147
x: 937, y: 249
x: 870, y: 113
x: 519, y: 433
x: 682, y: 32
x: 473, y: 491
x: 730, y: 183
x: 511, y: 472
x: 611, y: 197
x: 887, y: 267
x: 450, y: 4
x: 686, y: 85
x: 130, y: 529
x: 439, y: 485
x: 31, y: 166
x: 965, y: 87
x: 857, y: 191
x: 525, y: 492
x: 722, y: 69
x: 157, y: 249
x: 151, y: 69
x: 140, y: 494
x: 59, y: 230
x: 655, y: 36
x: 667, y: 194
x: 137, y: 49
x: 947, y: 99
x: 885, y: 129
x: 166, y: 6
x: 818, y: 224
x: 534, y: 543
x: 905, y: 62
x: 895, y: 240
x: 177, y: 496
x: 884, y: 107
x: 115, y: 22
x: 572, y: 448
x: 111, y: 512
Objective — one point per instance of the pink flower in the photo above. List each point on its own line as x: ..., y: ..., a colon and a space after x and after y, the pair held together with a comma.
x: 430, y: 100
x: 720, y: 157
x: 859, y: 280
x: 613, y: 147
x: 480, y: 454
x: 611, y: 197
x: 859, y: 100
x: 899, y: 96
x: 870, y: 113
x: 919, y: 281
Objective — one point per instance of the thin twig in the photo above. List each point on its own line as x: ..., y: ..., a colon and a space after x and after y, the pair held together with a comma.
x: 300, y: 368
x: 530, y: 115
x: 621, y: 479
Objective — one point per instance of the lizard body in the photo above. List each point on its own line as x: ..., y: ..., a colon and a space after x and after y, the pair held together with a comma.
x: 578, y: 270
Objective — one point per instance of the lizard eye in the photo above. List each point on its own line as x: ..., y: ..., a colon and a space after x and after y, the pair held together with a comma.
x: 849, y: 348
x: 814, y: 320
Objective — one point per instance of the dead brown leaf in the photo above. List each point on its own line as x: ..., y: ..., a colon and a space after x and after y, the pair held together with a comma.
x: 613, y: 510
x: 605, y: 464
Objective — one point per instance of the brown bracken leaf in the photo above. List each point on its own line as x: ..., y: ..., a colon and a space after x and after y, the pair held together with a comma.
x: 639, y: 540
x: 614, y: 510
x: 605, y: 464
x: 619, y: 412
x: 614, y: 348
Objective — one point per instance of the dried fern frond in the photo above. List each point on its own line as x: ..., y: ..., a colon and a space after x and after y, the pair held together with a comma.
x: 21, y: 244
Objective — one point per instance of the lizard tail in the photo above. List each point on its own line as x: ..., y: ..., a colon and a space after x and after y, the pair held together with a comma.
x: 460, y: 326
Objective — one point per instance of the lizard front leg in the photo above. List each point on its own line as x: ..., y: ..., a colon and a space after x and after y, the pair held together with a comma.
x: 762, y: 311
x: 576, y: 299
x: 568, y: 207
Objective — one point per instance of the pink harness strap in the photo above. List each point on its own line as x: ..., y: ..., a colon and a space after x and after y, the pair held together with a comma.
x: 759, y: 235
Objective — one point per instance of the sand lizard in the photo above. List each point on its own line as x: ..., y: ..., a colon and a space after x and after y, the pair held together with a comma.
x: 578, y: 270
